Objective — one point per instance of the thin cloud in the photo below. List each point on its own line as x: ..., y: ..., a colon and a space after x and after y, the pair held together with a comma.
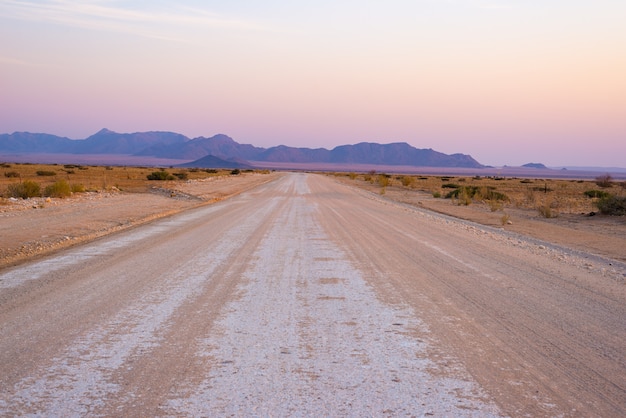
x: 13, y: 61
x: 480, y: 4
x: 104, y: 15
x: 494, y: 5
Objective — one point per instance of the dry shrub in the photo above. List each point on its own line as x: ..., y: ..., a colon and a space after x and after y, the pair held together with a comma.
x: 408, y: 181
x: 605, y: 180
x: 530, y: 197
x: 60, y: 188
x: 78, y: 188
x: 612, y: 205
x: 495, y: 205
x: 548, y: 210
x: 464, y: 197
x: 24, y: 190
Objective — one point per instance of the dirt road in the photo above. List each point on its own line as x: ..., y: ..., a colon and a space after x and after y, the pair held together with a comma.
x: 307, y: 297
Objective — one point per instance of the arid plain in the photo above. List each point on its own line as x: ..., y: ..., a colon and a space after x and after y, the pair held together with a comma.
x: 115, y: 198
x: 267, y: 293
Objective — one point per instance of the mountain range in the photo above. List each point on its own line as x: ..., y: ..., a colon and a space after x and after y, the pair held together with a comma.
x: 223, y: 149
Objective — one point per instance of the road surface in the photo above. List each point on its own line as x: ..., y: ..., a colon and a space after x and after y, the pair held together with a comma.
x: 306, y: 297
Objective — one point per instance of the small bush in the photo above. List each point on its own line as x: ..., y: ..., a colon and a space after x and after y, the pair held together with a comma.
x: 182, y: 175
x: 24, y: 190
x: 453, y: 194
x: 44, y: 173
x: 210, y: 171
x: 546, y: 211
x: 492, y: 195
x: 612, y: 205
x: 11, y: 174
x: 466, y: 191
x: 5, y: 165
x: 160, y: 175
x: 352, y: 176
x: 596, y: 193
x: 495, y: 205
x: 465, y: 196
x: 604, y: 181
x: 407, y: 181
x: 450, y: 186
x: 78, y: 188
x: 60, y: 188
x: 436, y: 195
x: 235, y: 172
x: 383, y: 180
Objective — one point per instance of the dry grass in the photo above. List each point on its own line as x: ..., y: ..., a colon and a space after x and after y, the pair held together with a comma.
x: 550, y: 197
x: 93, y: 178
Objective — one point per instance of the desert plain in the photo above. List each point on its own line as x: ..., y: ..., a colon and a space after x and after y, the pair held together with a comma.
x: 284, y: 293
x: 118, y: 197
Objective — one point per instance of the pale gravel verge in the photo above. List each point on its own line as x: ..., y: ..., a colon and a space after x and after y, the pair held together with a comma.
x: 38, y: 226
x: 606, y: 267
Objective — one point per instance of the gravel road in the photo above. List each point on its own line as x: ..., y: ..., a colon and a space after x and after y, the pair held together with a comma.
x: 305, y: 297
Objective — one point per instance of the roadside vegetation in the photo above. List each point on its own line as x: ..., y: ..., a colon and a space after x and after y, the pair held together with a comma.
x: 549, y: 198
x: 23, y: 180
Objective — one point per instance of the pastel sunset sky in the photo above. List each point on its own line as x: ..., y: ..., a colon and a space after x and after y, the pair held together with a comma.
x: 507, y: 81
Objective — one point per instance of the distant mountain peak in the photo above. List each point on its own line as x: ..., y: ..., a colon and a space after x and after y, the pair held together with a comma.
x: 104, y: 131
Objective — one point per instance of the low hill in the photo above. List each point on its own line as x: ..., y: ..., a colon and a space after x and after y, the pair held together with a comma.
x: 211, y: 161
x: 535, y: 165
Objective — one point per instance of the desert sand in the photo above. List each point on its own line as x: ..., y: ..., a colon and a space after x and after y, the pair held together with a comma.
x: 33, y: 227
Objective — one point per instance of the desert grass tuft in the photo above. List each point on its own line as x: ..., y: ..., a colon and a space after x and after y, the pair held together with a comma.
x: 60, y: 189
x: 384, y: 180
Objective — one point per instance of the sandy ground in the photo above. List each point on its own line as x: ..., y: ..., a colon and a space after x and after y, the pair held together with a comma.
x: 602, y: 235
x: 33, y: 227
x: 306, y: 297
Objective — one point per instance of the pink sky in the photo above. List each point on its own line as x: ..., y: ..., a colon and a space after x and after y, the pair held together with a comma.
x: 508, y: 82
